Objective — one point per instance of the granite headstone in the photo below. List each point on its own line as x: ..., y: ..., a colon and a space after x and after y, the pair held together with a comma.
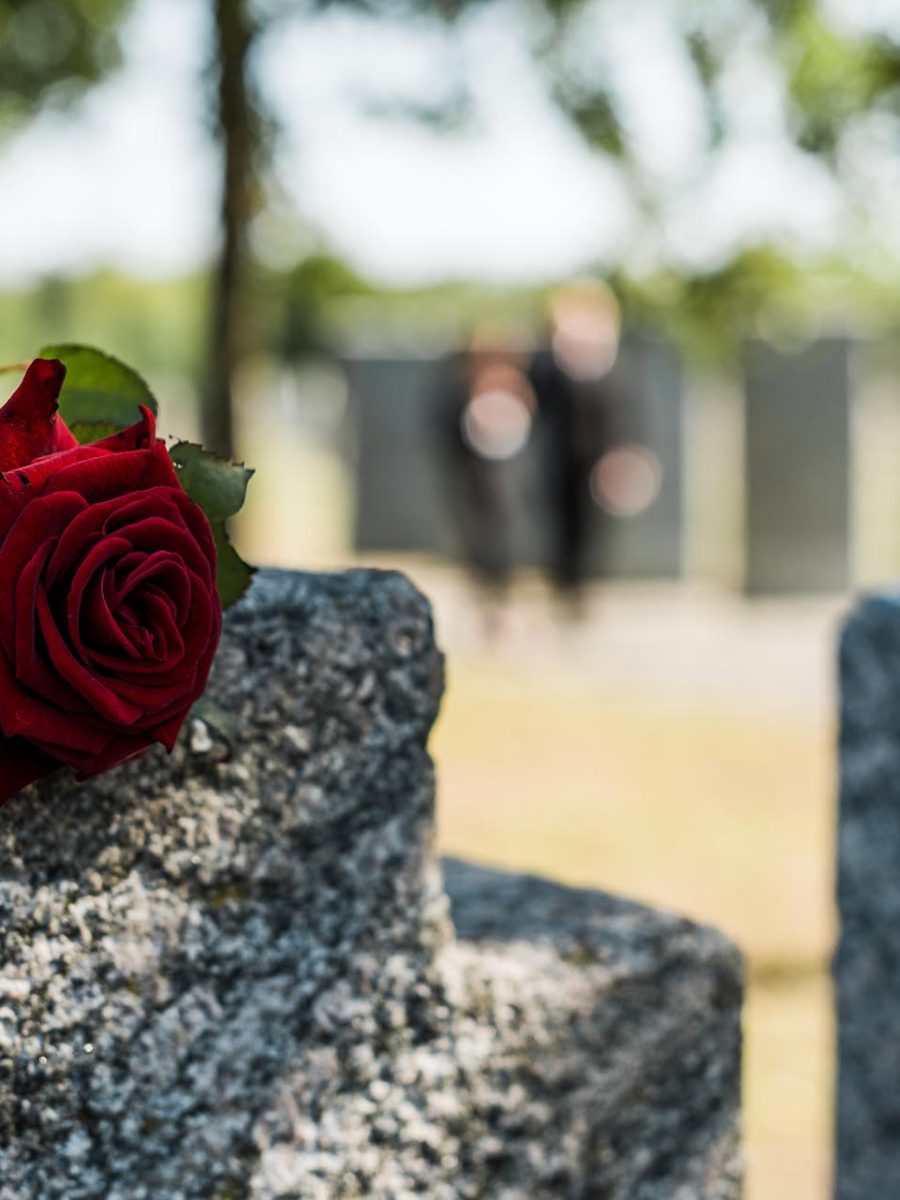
x: 231, y: 973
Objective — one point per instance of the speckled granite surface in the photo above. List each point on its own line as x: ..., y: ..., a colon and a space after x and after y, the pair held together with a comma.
x: 230, y: 973
x: 867, y: 963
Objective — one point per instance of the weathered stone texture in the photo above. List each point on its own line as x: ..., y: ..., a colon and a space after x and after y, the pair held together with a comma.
x: 867, y: 963
x: 616, y: 1028
x: 230, y: 974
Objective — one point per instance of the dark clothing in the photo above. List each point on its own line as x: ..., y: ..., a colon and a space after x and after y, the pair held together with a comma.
x: 480, y: 490
x: 574, y: 417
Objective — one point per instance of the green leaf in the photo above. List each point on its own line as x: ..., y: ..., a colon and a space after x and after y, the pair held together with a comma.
x: 85, y: 432
x: 218, y: 486
x: 215, y: 718
x: 98, y: 390
x: 233, y: 575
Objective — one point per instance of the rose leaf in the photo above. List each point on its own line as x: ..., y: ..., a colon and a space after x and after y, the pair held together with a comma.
x: 215, y: 718
x: 86, y: 432
x: 218, y: 486
x: 98, y: 390
x: 233, y: 575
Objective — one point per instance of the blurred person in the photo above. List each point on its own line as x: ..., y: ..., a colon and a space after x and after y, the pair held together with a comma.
x: 487, y: 413
x: 570, y: 379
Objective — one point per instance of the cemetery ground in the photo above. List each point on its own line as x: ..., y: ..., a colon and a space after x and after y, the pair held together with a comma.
x: 678, y: 748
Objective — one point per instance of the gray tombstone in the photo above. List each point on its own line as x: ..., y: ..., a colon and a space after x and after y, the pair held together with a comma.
x: 797, y: 467
x: 867, y: 963
x: 231, y: 973
x: 400, y: 503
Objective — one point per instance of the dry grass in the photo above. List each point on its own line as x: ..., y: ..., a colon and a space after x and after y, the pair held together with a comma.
x: 724, y: 817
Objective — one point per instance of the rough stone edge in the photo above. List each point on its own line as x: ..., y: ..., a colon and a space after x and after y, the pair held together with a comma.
x: 496, y: 912
x: 492, y: 905
x: 868, y: 699
x: 868, y: 670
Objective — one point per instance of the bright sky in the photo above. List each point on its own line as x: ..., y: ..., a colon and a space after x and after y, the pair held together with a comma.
x: 129, y: 179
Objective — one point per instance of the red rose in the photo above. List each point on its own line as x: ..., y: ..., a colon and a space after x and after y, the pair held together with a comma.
x: 109, y: 614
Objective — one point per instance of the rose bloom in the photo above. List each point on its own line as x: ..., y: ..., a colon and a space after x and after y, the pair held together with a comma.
x: 109, y: 614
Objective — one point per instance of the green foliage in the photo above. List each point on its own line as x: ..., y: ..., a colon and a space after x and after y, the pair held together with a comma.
x: 87, y: 431
x: 233, y: 575
x: 51, y: 50
x: 100, y: 394
x: 833, y: 78
x: 761, y: 292
x: 307, y: 294
x: 830, y: 75
x: 215, y: 718
x: 594, y: 114
x: 157, y: 323
x: 218, y: 486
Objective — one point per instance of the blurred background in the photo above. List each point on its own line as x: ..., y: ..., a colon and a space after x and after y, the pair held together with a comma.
x: 586, y: 314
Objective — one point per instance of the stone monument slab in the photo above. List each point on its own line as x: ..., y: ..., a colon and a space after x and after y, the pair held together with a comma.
x: 797, y: 467
x: 231, y: 974
x: 867, y: 962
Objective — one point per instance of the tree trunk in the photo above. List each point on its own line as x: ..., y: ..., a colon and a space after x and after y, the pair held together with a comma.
x: 235, y: 121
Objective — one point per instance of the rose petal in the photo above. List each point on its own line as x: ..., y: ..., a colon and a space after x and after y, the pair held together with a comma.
x: 139, y: 436
x: 100, y: 476
x: 107, y: 517
x: 153, y: 532
x: 24, y: 714
x: 101, y: 697
x: 30, y: 425
x: 101, y: 553
x: 32, y: 669
x: 38, y: 522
